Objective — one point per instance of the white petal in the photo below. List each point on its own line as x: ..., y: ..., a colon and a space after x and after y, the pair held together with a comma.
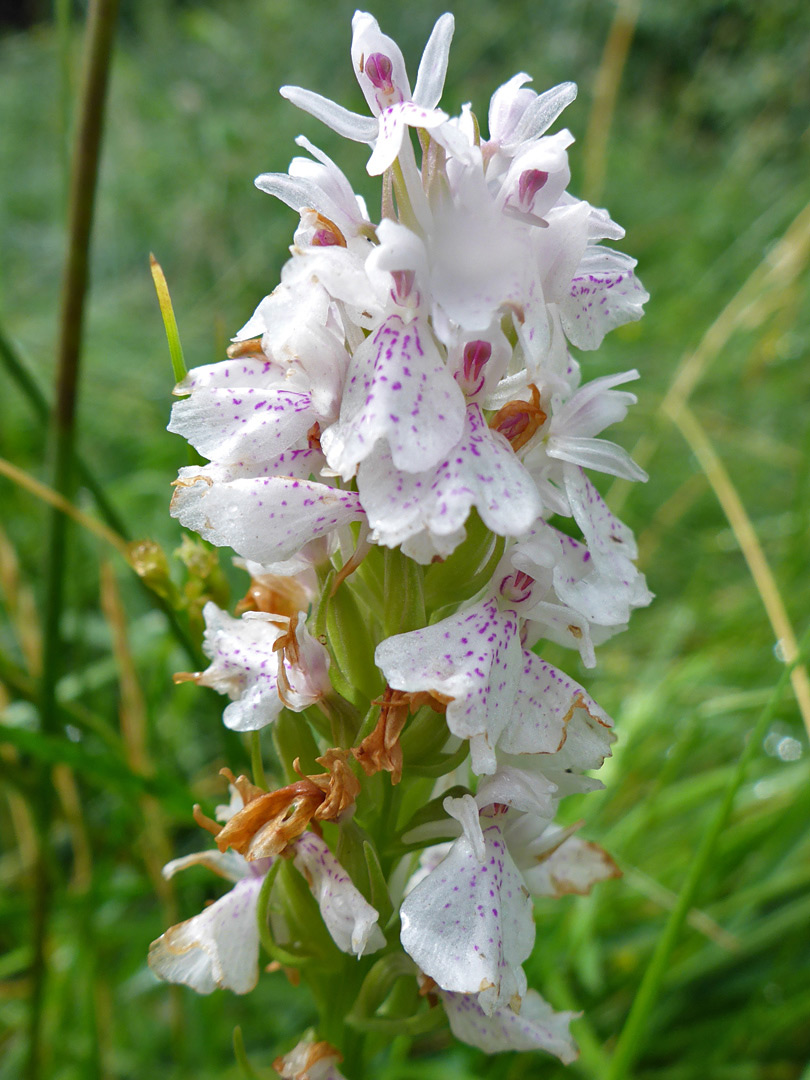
x: 588, y: 739
x: 473, y: 657
x: 538, y: 117
x: 535, y: 1027
x: 349, y: 918
x: 465, y: 812
x: 267, y: 519
x: 308, y: 680
x: 545, y: 704
x: 399, y: 389
x: 227, y: 864
x: 348, y: 124
x: 574, y: 867
x: 469, y: 923
x: 296, y: 191
x: 507, y: 105
x: 481, y: 471
x: 557, y: 622
x: 530, y: 793
x: 433, y: 65
x: 217, y: 948
x: 594, y: 406
x: 598, y: 454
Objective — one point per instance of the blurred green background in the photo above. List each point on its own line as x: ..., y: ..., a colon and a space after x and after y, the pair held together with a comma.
x: 705, y: 159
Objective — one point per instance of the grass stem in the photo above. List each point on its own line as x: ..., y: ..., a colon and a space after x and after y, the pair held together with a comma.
x: 84, y: 174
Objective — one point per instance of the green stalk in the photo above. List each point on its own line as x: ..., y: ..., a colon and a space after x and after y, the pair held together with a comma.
x: 62, y: 13
x: 84, y: 174
x: 637, y: 1027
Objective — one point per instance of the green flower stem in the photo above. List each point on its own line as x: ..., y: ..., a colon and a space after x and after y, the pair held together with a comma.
x: 242, y: 1060
x: 262, y: 916
x: 633, y: 1035
x: 404, y: 607
x: 444, y: 763
x: 406, y: 214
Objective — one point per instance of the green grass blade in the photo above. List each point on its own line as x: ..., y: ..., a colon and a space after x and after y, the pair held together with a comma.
x: 636, y: 1028
x: 169, y: 321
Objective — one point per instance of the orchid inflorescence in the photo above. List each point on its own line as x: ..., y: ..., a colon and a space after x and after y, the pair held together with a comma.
x: 389, y: 439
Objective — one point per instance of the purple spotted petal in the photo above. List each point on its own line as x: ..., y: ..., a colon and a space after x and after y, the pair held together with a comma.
x: 298, y: 463
x: 473, y: 657
x: 245, y: 419
x: 349, y: 918
x: 535, y: 1027
x: 244, y: 665
x: 393, y: 121
x: 611, y: 541
x: 399, y: 389
x: 481, y: 470
x: 603, y: 591
x: 267, y: 519
x: 604, y: 293
x: 469, y: 923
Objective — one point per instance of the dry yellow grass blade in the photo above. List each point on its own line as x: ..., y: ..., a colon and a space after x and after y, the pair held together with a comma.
x: 21, y: 606
x: 766, y: 290
x: 53, y: 498
x: 763, y: 292
x: 154, y: 842
x: 67, y: 789
x: 605, y: 90
x: 746, y: 537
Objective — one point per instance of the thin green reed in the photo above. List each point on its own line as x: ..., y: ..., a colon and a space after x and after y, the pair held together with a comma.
x: 83, y: 178
x: 637, y: 1027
